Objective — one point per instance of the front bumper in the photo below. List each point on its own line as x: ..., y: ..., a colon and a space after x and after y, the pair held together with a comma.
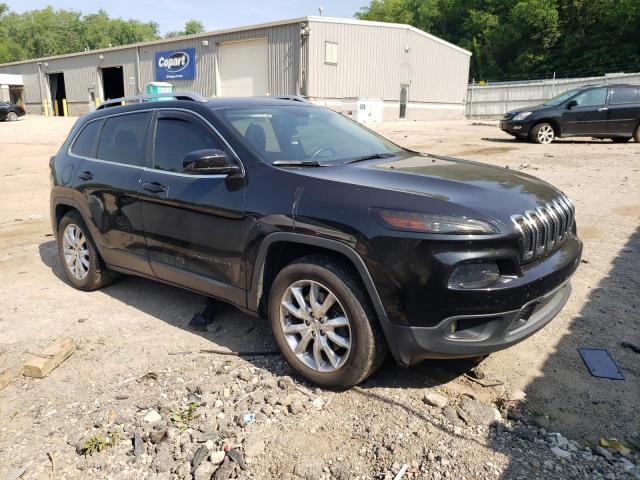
x: 517, y: 129
x: 479, y: 335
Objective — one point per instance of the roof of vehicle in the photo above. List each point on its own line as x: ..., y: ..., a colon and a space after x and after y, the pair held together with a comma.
x: 225, y: 102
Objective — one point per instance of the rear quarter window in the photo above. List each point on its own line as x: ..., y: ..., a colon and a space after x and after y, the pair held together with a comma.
x: 124, y: 139
x: 84, y: 144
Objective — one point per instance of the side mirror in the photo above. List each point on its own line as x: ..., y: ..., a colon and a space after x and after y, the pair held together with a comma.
x: 209, y: 162
x: 572, y: 104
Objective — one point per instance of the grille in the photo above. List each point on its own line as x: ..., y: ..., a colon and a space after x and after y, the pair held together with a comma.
x: 544, y: 228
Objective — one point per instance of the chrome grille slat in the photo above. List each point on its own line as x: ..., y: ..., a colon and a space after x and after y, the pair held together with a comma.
x: 544, y: 228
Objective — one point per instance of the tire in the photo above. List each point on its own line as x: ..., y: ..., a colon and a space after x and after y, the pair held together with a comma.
x: 620, y: 139
x: 85, y: 269
x: 347, y: 365
x: 12, y: 116
x: 636, y: 136
x: 542, y: 133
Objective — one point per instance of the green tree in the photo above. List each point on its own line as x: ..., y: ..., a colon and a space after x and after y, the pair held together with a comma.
x: 190, y: 28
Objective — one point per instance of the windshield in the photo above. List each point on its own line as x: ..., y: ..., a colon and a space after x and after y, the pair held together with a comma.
x: 305, y: 133
x: 554, y: 102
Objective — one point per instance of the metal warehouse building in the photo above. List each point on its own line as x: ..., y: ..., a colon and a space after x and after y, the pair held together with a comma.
x: 370, y: 70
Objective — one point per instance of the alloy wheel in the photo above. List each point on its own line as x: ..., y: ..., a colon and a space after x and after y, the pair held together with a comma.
x: 545, y: 134
x: 12, y: 116
x: 315, y: 326
x: 76, y: 251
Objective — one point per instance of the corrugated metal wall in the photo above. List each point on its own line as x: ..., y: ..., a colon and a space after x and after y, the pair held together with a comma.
x: 81, y: 72
x: 494, y: 100
x: 373, y: 62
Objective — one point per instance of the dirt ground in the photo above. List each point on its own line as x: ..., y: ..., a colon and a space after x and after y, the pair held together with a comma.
x: 137, y: 326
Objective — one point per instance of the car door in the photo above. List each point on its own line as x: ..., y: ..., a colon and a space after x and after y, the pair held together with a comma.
x: 107, y: 185
x: 588, y: 116
x: 624, y: 110
x: 194, y: 224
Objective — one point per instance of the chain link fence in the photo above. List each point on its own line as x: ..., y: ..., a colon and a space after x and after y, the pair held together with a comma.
x: 493, y: 100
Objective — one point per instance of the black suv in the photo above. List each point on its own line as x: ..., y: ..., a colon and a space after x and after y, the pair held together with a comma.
x: 601, y: 111
x: 349, y: 244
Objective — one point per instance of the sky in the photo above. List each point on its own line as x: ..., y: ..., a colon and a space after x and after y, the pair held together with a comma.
x: 214, y: 14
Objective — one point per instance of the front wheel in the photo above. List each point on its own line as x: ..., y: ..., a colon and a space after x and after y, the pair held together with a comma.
x: 323, y: 323
x: 542, y: 133
x: 12, y: 116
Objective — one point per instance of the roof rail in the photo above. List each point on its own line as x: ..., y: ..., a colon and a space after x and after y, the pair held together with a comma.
x: 292, y: 98
x: 191, y: 96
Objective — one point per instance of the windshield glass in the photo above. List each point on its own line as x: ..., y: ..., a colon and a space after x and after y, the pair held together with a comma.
x: 554, y: 102
x: 305, y: 133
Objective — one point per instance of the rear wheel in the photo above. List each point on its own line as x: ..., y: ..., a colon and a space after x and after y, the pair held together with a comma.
x: 12, y: 116
x: 323, y: 323
x: 80, y: 259
x: 542, y: 133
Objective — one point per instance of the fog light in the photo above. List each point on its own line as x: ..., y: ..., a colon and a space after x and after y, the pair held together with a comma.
x: 474, y: 275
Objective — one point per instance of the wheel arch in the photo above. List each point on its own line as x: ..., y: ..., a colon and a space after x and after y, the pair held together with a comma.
x: 281, y: 248
x: 555, y: 124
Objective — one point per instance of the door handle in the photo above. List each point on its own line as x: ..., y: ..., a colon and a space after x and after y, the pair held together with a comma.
x: 86, y: 175
x: 154, y: 187
x: 603, y: 109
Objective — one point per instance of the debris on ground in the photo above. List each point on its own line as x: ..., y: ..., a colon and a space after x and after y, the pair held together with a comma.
x: 49, y: 358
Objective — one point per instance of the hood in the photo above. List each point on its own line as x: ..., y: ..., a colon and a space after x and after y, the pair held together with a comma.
x: 474, y: 187
x: 533, y: 108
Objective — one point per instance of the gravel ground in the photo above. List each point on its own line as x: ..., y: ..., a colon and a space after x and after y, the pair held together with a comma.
x: 141, y: 390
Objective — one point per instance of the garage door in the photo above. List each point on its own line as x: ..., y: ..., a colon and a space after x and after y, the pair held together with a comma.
x: 244, y: 68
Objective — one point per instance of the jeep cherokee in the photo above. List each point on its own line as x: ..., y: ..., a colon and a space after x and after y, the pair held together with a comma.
x: 349, y: 244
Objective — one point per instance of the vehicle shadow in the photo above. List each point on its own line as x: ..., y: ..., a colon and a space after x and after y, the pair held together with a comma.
x: 567, y: 141
x: 566, y: 398
x: 237, y: 331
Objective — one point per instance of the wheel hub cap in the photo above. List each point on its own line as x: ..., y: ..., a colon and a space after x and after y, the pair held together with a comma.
x: 315, y: 326
x: 75, y: 251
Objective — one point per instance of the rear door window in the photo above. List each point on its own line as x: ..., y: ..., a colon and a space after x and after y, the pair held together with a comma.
x: 85, y: 142
x: 621, y: 95
x: 177, y: 134
x: 592, y: 98
x: 124, y: 139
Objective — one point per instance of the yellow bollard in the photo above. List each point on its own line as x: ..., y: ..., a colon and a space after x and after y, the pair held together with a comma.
x: 97, y: 102
x: 65, y: 110
x: 45, y: 108
x: 55, y: 108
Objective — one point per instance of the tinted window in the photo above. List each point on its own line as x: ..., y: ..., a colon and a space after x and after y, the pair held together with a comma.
x: 176, y: 137
x: 591, y: 98
x: 623, y: 95
x: 124, y: 139
x: 84, y: 143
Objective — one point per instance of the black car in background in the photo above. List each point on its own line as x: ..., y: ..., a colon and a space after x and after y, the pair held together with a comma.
x: 350, y: 245
x: 598, y: 111
x: 10, y: 111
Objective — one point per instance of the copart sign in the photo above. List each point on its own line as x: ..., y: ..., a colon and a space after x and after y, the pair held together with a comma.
x: 176, y: 64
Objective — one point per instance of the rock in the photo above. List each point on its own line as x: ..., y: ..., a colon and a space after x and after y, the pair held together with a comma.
x: 217, y: 457
x: 297, y: 407
x: 451, y: 415
x: 603, y: 452
x: 225, y: 470
x: 560, y: 453
x: 152, y: 417
x: 309, y: 468
x: 156, y: 436
x: 204, y: 471
x: 244, y: 375
x: 199, y: 457
x: 138, y: 445
x: 318, y: 403
x: 237, y: 457
x: 254, y: 447
x: 478, y: 412
x: 163, y: 461
x: 435, y: 399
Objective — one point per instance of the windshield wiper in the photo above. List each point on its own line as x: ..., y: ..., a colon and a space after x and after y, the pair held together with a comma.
x: 296, y: 163
x: 371, y: 157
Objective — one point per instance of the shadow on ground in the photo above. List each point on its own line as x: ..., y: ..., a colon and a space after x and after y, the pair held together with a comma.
x: 239, y: 332
x: 566, y: 393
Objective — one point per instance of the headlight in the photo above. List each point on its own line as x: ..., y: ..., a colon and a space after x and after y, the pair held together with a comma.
x: 474, y: 275
x: 521, y: 116
x: 427, y: 223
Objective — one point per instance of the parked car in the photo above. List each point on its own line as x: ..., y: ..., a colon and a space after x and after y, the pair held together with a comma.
x: 349, y: 244
x: 10, y: 111
x: 597, y: 111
